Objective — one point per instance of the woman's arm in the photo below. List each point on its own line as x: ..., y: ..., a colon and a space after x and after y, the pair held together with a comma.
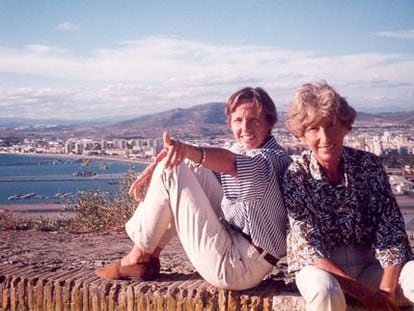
x: 389, y: 280
x: 219, y: 160
x: 216, y: 159
x: 141, y: 183
x: 391, y: 244
x: 372, y: 299
x: 306, y: 242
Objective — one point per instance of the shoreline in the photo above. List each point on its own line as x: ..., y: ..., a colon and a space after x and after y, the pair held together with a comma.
x: 52, y: 209
x: 37, y: 209
x: 406, y: 206
x: 79, y: 157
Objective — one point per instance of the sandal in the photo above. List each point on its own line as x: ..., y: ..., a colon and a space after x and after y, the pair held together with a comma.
x: 144, y: 271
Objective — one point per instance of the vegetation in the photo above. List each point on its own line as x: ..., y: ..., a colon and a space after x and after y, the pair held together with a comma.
x: 42, y: 223
x: 98, y: 211
x: 95, y: 211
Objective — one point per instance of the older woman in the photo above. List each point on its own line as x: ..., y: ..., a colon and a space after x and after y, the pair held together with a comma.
x: 225, y: 205
x: 346, y: 234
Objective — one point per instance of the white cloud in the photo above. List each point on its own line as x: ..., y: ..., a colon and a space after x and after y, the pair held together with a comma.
x: 158, y: 73
x: 399, y: 34
x: 68, y: 26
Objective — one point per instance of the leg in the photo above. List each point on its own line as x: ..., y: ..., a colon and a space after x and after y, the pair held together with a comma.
x: 150, y: 228
x: 225, y: 259
x: 188, y: 200
x: 152, y: 223
x: 406, y: 282
x: 320, y: 289
x: 371, y: 277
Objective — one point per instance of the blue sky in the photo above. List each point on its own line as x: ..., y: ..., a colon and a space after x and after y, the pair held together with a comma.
x: 92, y: 59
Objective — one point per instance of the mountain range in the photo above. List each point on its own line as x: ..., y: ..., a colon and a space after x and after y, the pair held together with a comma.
x: 197, y: 121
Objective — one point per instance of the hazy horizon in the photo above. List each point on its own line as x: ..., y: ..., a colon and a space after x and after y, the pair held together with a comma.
x: 19, y: 121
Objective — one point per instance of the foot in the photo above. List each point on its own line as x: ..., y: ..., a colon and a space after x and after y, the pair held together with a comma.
x: 144, y: 271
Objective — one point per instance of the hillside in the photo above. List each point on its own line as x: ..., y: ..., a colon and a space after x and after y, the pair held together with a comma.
x: 197, y: 121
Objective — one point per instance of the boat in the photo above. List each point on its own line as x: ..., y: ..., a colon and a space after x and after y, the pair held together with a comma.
x: 104, y: 167
x: 27, y: 196
x: 14, y: 197
x: 84, y: 173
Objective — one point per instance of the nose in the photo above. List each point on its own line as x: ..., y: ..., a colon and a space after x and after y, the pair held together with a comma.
x: 245, y: 124
x: 324, y: 134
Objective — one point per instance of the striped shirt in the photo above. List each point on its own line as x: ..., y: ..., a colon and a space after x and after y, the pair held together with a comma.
x: 252, y: 201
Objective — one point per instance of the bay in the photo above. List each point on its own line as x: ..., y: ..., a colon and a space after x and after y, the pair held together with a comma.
x: 33, y: 179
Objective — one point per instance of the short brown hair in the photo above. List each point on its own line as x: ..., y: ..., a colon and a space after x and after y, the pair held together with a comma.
x: 258, y: 97
x: 314, y: 103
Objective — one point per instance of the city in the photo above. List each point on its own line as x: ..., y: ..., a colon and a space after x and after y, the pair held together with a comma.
x: 379, y: 139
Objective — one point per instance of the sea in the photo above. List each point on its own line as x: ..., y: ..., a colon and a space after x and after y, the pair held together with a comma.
x: 33, y: 179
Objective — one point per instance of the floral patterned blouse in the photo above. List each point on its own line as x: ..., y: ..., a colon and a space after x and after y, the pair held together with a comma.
x: 359, y: 211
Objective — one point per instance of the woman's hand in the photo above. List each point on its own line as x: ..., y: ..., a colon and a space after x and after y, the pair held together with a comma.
x: 176, y: 151
x: 140, y: 185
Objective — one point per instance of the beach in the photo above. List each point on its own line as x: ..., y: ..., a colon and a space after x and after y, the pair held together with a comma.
x: 81, y: 157
x: 406, y: 204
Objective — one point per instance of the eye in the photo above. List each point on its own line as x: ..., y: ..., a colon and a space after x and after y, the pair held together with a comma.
x: 312, y: 129
x: 237, y: 120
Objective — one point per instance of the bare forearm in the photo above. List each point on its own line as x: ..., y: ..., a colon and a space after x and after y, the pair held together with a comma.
x: 348, y: 283
x: 216, y: 159
x: 389, y: 279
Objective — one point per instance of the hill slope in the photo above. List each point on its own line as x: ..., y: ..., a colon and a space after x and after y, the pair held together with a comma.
x: 197, y: 121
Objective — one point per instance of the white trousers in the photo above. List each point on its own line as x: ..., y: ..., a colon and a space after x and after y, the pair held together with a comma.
x: 322, y: 291
x: 186, y: 201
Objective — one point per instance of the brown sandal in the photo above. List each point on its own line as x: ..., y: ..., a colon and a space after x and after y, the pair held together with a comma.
x: 144, y: 271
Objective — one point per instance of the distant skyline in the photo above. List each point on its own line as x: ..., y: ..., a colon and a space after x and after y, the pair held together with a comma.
x: 91, y: 59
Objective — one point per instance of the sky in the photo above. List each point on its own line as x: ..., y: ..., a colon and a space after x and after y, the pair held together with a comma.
x: 122, y: 59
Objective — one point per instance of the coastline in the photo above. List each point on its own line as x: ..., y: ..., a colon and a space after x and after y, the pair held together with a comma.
x: 405, y: 203
x: 80, y: 157
x: 36, y: 210
x: 51, y: 184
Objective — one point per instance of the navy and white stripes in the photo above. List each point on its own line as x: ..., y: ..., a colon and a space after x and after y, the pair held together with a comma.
x: 253, y: 200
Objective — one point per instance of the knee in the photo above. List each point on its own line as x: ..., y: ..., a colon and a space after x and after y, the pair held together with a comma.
x: 319, y: 286
x: 407, y: 281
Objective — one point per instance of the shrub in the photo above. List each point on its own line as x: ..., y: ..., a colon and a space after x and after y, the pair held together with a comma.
x: 7, y: 221
x: 41, y: 223
x: 97, y: 210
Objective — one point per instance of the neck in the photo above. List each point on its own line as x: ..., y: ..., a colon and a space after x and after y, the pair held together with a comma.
x: 334, y: 174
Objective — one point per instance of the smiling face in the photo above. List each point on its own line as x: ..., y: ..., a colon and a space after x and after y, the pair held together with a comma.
x: 326, y: 141
x: 249, y: 126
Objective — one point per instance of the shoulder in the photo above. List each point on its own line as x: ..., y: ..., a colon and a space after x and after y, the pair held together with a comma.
x: 270, y: 148
x: 299, y: 169
x: 360, y: 158
x: 301, y: 162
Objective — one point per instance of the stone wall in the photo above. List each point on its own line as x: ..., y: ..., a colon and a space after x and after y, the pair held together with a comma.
x: 30, y: 288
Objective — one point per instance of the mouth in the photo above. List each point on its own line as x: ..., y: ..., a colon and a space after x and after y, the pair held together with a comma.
x: 248, y: 138
x: 327, y: 147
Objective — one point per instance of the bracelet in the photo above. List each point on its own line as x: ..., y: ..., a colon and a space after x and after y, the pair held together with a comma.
x: 203, y: 158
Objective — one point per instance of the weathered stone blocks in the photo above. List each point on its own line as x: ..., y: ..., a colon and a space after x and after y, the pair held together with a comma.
x: 27, y: 288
